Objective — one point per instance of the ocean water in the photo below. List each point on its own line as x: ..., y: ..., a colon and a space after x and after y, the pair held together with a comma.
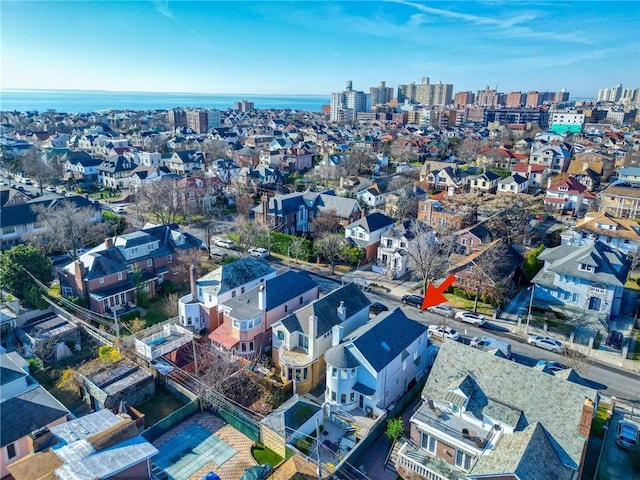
x: 83, y: 101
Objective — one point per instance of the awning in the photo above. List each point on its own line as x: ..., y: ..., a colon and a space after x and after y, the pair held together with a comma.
x: 223, y: 335
x: 363, y: 389
x: 111, y: 291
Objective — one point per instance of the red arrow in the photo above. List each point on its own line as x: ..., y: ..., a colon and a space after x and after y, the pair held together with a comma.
x: 434, y: 295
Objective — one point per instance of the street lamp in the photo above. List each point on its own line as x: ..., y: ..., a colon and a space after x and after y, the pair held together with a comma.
x: 533, y: 289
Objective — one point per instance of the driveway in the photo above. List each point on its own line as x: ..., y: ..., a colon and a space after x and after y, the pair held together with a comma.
x: 616, y: 462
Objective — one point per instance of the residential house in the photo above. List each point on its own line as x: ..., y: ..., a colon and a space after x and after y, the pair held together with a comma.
x: 568, y: 195
x: 591, y: 155
x: 472, y: 238
x: 513, y: 184
x: 19, y: 218
x: 366, y: 233
x: 248, y: 318
x: 292, y: 213
x: 402, y: 203
x: 535, y: 174
x: 621, y: 200
x: 376, y: 364
x: 106, y: 386
x: 484, y: 416
x: 99, y: 445
x: 554, y: 157
x: 488, y: 270
x: 629, y: 174
x: 297, y: 160
x: 590, y: 278
x: 486, y: 182
x: 446, y: 179
x: 392, y: 259
x: 621, y: 234
x: 301, y: 339
x: 198, y: 193
x: 202, y: 307
x: 186, y: 161
x: 115, y: 172
x: 372, y: 197
x: 25, y: 408
x: 144, y: 175
x: 224, y: 169
x: 82, y: 167
x: 588, y: 174
x: 112, y: 274
x: 443, y: 217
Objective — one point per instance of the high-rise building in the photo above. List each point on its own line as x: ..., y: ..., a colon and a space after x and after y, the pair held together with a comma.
x: 462, y: 99
x: 197, y: 120
x: 515, y: 99
x: 177, y: 118
x: 243, y: 106
x: 490, y: 98
x: 561, y: 96
x: 426, y: 93
x: 381, y: 94
x: 407, y: 93
x: 615, y: 93
x: 441, y: 93
x: 534, y: 99
x: 422, y: 92
x: 346, y: 105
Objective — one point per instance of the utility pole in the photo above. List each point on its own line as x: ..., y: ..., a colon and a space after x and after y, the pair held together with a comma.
x: 318, y: 448
x: 117, y: 327
x: 195, y: 356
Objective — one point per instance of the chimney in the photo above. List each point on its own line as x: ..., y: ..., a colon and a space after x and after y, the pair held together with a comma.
x: 586, y: 418
x: 108, y: 242
x: 78, y: 272
x: 548, y: 182
x: 192, y: 283
x: 342, y: 311
x: 313, y: 333
x: 262, y: 298
x: 337, y: 331
x: 39, y: 439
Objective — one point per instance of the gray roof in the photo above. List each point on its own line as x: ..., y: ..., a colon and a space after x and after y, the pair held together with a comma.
x: 340, y: 357
x: 610, y: 265
x: 282, y: 205
x: 9, y: 370
x: 529, y: 454
x: 290, y: 416
x: 513, y: 394
x: 326, y: 309
x: 382, y: 341
x: 233, y: 275
x: 373, y: 222
x: 26, y: 412
x: 515, y: 178
x: 279, y: 290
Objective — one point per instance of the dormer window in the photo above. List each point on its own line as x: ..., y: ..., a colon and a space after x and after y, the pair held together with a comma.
x: 586, y: 268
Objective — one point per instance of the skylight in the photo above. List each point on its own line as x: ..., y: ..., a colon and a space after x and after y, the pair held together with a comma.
x: 385, y: 346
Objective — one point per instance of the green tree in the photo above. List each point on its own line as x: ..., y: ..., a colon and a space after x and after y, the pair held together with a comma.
x: 395, y: 429
x: 14, y: 262
x: 531, y: 265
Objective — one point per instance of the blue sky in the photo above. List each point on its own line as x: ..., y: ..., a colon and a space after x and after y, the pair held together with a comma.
x: 314, y: 47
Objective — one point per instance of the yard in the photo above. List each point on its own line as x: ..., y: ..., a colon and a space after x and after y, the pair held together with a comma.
x: 465, y: 304
x: 600, y: 420
x: 160, y: 406
x: 264, y: 455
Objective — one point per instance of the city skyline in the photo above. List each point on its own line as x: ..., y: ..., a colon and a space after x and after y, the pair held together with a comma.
x: 281, y: 48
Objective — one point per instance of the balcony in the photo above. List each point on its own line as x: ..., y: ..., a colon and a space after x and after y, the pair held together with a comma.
x: 453, y: 426
x: 416, y: 460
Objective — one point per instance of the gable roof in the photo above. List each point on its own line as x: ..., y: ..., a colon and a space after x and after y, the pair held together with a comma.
x: 373, y: 222
x: 282, y: 205
x: 623, y: 227
x: 9, y: 370
x: 572, y: 186
x: 514, y: 394
x: 515, y: 178
x: 382, y: 341
x: 326, y: 309
x: 233, y: 275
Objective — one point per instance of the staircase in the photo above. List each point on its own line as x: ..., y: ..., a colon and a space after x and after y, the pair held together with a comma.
x: 390, y: 463
x: 157, y: 473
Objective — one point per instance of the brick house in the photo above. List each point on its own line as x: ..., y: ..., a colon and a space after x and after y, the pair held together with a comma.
x: 111, y: 274
x: 442, y: 217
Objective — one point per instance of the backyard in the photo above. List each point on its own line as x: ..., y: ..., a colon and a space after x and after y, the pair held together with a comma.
x: 160, y: 406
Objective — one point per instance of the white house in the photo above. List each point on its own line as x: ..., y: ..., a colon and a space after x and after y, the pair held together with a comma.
x: 366, y: 233
x: 199, y: 309
x: 568, y: 194
x: 378, y: 363
x: 515, y: 183
x: 554, y: 157
x: 372, y: 197
x: 536, y: 174
x: 392, y: 257
x: 589, y: 278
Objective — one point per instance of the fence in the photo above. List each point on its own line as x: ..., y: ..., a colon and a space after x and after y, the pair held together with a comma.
x: 167, y: 423
x: 234, y: 416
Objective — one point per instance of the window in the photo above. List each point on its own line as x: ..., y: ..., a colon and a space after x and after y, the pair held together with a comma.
x: 463, y: 460
x: 11, y: 451
x: 427, y: 442
x: 352, y: 397
x: 343, y: 374
x: 301, y: 300
x: 233, y: 294
x: 334, y: 373
x: 130, y: 268
x: 149, y: 262
x: 286, y: 308
x: 119, y: 275
x: 8, y: 231
x: 280, y: 335
x: 134, y: 251
x: 101, y: 280
x: 353, y: 373
x: 343, y: 398
x: 333, y: 396
x: 169, y: 258
x: 303, y: 341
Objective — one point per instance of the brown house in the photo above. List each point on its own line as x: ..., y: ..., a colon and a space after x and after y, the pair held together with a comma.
x: 442, y: 217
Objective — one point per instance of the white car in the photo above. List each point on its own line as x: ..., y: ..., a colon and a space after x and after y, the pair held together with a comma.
x: 444, y: 310
x: 468, y: 317
x: 258, y: 252
x: 442, y: 332
x: 548, y: 343
x: 224, y: 243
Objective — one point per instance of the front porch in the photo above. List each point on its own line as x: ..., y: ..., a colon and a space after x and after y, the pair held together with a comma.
x: 412, y: 460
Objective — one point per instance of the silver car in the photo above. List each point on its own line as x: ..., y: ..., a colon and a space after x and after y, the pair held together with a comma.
x: 548, y: 343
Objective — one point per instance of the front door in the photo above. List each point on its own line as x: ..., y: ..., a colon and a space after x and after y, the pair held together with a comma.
x: 361, y: 402
x: 595, y: 303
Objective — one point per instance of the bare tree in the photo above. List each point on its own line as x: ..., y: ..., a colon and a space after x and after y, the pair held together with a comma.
x: 356, y: 162
x: 244, y: 205
x: 428, y: 255
x: 68, y: 227
x: 331, y: 248
x: 252, y: 234
x: 170, y: 305
x: 297, y: 249
x: 164, y: 200
x: 33, y: 166
x: 326, y: 222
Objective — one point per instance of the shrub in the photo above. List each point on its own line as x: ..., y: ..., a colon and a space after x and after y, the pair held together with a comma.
x: 168, y: 286
x: 303, y: 444
x: 395, y: 429
x: 108, y: 354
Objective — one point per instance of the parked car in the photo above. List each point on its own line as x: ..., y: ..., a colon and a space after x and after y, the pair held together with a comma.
x: 553, y: 366
x: 469, y: 317
x: 444, y: 310
x: 376, y: 307
x: 79, y: 251
x: 442, y: 332
x: 614, y: 339
x: 119, y: 210
x: 490, y: 343
x: 628, y: 435
x: 548, y: 343
x: 257, y: 252
x: 415, y: 300
x: 51, y: 189
x: 218, y: 254
x: 224, y: 243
